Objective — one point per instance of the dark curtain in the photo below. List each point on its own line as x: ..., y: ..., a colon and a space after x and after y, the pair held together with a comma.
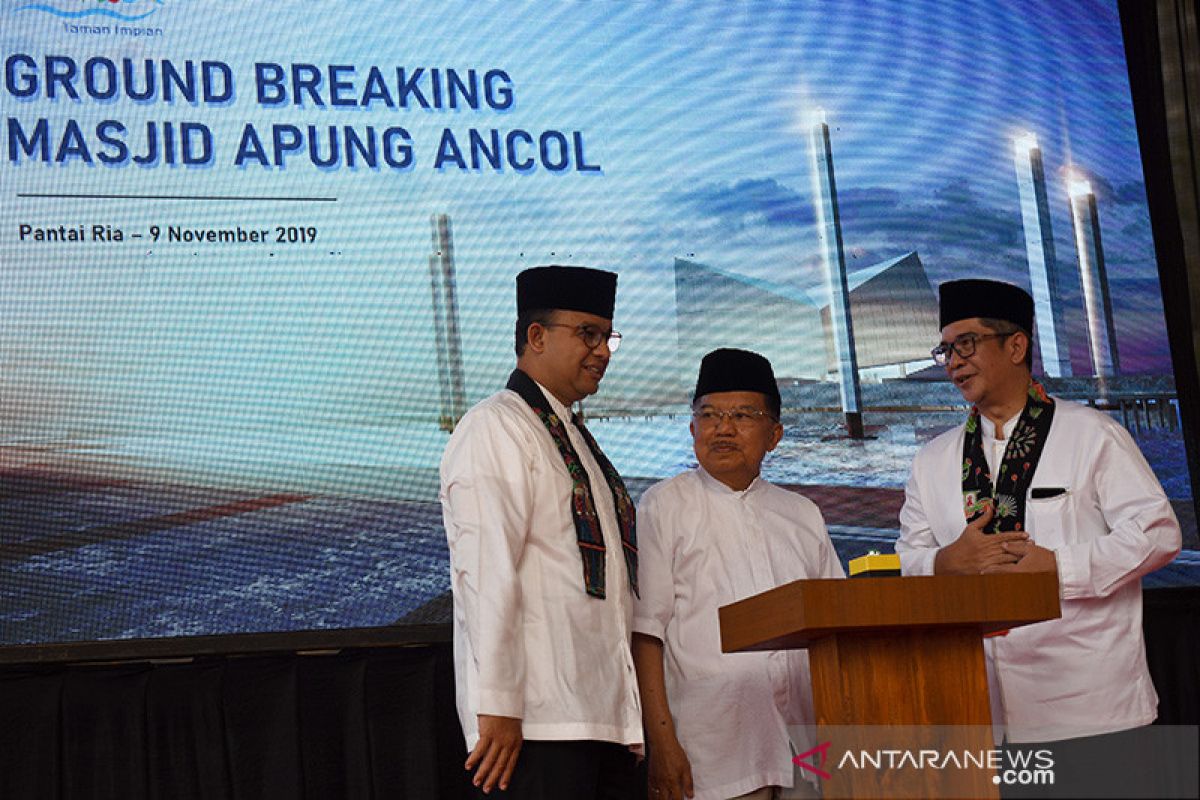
x: 1172, y: 626
x: 1164, y: 76
x: 369, y: 723
x: 366, y: 724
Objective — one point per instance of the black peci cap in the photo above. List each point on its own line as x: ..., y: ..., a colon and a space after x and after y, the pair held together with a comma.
x: 974, y: 297
x: 730, y: 370
x: 593, y: 291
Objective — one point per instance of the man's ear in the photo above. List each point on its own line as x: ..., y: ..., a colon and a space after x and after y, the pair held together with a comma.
x: 776, y: 436
x: 1018, y: 347
x: 535, y: 336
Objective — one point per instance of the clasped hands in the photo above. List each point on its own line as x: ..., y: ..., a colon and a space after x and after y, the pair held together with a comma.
x: 975, y: 552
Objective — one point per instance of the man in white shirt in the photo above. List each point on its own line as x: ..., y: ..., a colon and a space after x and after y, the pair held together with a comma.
x: 543, y: 561
x: 1033, y: 483
x: 717, y: 724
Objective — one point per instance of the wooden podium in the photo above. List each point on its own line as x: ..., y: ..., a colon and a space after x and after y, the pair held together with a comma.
x: 896, y: 651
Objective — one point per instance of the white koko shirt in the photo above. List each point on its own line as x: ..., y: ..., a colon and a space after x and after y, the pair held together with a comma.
x: 1085, y: 673
x: 703, y: 545
x: 529, y: 642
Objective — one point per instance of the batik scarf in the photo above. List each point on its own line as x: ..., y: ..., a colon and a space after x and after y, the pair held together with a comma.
x: 583, y: 506
x: 1010, y: 487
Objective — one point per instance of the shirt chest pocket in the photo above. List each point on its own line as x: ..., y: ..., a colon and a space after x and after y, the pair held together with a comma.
x: 1050, y: 516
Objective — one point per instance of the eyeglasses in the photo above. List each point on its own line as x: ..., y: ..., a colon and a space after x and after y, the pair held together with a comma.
x: 591, y: 335
x: 964, y: 345
x: 740, y: 417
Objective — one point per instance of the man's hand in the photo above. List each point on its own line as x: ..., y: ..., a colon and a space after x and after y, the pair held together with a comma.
x: 670, y: 771
x: 496, y: 752
x: 1031, y: 558
x: 975, y: 552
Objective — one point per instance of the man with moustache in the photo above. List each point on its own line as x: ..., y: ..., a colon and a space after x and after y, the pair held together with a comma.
x: 1033, y: 483
x: 543, y: 561
x: 717, y: 724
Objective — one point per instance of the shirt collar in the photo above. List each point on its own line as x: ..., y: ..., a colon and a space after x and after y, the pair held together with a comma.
x: 989, y: 428
x: 563, y: 412
x: 715, y: 485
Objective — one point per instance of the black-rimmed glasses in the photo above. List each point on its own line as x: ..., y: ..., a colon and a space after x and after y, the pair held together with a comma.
x: 591, y: 335
x: 963, y: 345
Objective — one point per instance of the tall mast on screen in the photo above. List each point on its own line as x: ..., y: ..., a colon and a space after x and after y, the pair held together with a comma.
x: 1102, y: 333
x: 445, y: 323
x: 829, y: 232
x: 1049, y: 316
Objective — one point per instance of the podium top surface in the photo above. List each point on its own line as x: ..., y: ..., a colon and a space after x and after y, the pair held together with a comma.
x: 799, y: 613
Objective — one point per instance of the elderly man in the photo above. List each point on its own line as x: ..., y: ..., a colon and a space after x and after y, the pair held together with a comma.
x: 716, y: 724
x: 544, y: 561
x: 1033, y: 483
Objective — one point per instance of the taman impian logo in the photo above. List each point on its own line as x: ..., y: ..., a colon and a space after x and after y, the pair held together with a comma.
x: 128, y: 10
